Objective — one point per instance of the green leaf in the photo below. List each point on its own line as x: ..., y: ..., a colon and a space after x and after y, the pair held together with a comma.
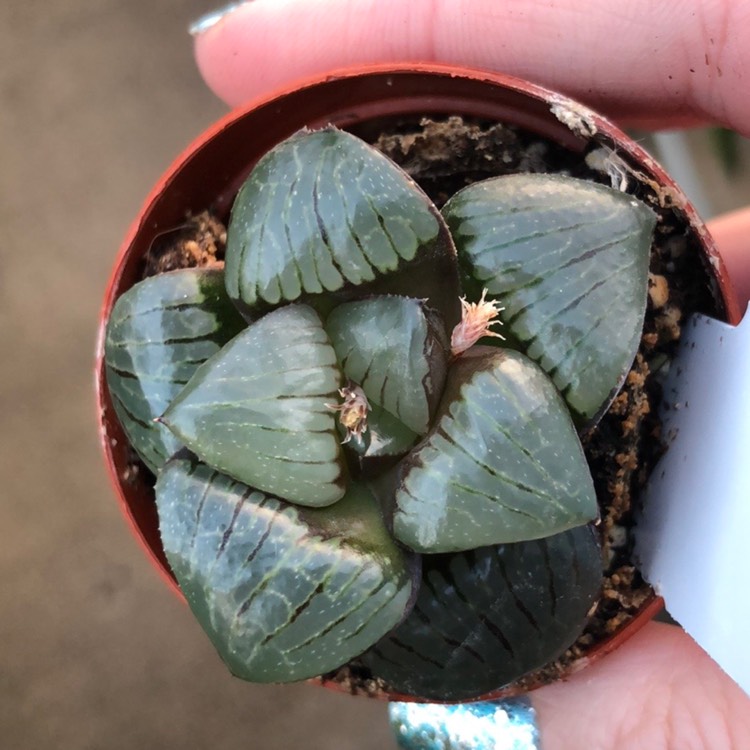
x: 323, y: 211
x: 396, y: 350
x: 257, y: 409
x: 158, y: 333
x: 486, y: 618
x: 503, y: 463
x: 569, y: 261
x: 283, y: 592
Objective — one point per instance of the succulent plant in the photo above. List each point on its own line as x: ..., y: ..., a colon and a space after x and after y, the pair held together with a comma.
x: 364, y: 427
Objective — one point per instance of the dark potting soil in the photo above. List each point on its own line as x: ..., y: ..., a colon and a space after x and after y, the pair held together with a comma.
x: 622, y: 449
x: 199, y: 243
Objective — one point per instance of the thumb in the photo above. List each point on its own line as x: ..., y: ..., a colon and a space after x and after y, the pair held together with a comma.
x: 653, y: 62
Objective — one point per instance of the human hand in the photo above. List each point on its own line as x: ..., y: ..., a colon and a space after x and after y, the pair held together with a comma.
x: 651, y: 64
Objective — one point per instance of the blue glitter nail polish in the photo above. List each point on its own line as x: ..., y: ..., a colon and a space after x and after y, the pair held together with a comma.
x: 492, y: 725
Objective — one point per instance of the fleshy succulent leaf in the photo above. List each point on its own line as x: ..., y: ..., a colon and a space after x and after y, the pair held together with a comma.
x: 258, y: 410
x: 283, y: 592
x: 502, y: 464
x: 158, y: 333
x: 325, y: 212
x: 396, y: 351
x: 568, y: 260
x: 487, y: 617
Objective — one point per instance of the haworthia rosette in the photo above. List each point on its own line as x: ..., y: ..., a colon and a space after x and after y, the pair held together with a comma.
x: 283, y: 592
x: 287, y: 592
x: 158, y: 333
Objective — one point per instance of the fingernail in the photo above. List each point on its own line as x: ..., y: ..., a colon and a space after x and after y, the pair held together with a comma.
x: 211, y: 19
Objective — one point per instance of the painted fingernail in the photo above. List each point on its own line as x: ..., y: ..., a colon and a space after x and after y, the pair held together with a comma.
x: 208, y: 20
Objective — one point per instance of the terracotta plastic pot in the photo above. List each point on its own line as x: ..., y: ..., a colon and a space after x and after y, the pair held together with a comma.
x: 209, y: 173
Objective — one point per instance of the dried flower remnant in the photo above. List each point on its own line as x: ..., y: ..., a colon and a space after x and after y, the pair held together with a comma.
x: 476, y: 319
x: 353, y: 412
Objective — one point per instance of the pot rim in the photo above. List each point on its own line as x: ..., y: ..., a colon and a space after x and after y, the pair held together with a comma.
x: 580, y: 125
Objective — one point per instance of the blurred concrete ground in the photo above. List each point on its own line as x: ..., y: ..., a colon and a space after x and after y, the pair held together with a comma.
x: 96, y: 98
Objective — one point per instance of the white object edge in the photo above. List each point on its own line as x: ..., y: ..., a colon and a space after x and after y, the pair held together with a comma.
x: 692, y: 540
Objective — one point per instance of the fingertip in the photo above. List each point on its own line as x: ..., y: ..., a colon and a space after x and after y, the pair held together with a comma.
x: 215, y: 36
x: 202, y: 55
x: 731, y: 232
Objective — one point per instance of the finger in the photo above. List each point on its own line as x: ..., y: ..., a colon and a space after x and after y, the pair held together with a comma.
x: 659, y: 690
x: 732, y: 234
x: 667, y: 62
